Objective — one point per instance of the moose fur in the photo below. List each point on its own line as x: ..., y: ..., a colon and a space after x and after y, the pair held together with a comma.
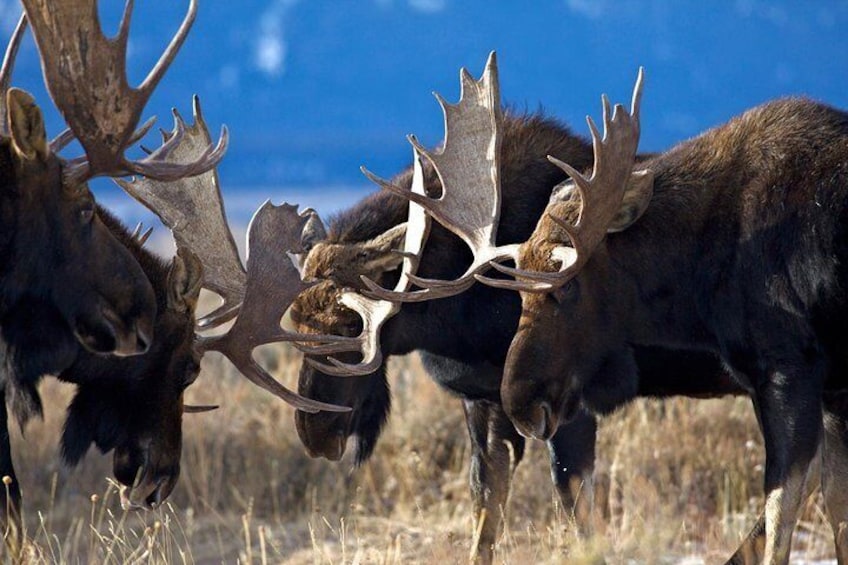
x: 463, y: 340
x: 132, y: 405
x: 741, y: 252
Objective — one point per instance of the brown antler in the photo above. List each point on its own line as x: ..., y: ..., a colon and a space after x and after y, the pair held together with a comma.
x: 7, y: 68
x: 375, y: 312
x: 468, y: 169
x: 600, y: 196
x: 85, y: 73
x: 193, y: 209
x: 273, y: 283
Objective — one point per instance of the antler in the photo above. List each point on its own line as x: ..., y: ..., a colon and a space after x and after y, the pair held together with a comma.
x: 375, y: 312
x: 194, y: 211
x: 7, y: 68
x: 273, y: 283
x: 192, y: 208
x: 86, y: 76
x: 600, y: 195
x: 468, y: 169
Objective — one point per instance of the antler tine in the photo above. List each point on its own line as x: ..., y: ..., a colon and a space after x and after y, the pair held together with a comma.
x: 8, y: 67
x: 194, y: 211
x: 374, y: 311
x: 272, y: 284
x: 86, y: 76
x: 600, y: 197
x: 468, y: 169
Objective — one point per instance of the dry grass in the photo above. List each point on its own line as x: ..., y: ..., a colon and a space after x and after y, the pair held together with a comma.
x: 682, y: 480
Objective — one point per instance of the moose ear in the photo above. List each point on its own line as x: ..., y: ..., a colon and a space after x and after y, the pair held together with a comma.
x: 313, y: 231
x: 637, y: 196
x: 26, y: 126
x: 382, y: 250
x: 184, y: 281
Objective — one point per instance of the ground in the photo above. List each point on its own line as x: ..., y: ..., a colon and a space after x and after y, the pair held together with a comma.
x: 679, y: 482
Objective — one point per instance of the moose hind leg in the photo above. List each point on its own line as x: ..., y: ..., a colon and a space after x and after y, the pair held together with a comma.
x: 496, y: 449
x: 572, y: 453
x: 835, y: 470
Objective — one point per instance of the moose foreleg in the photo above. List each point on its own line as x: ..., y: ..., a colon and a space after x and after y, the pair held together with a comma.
x: 496, y: 449
x: 835, y: 470
x: 789, y: 406
x: 572, y: 452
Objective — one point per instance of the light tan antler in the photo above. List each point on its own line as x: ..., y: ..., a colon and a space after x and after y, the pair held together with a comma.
x: 194, y: 211
x: 86, y: 76
x: 375, y: 312
x: 273, y: 282
x: 7, y: 68
x: 601, y: 196
x: 468, y: 169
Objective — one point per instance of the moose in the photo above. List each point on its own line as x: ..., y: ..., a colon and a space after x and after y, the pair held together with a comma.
x: 72, y: 288
x: 462, y: 337
x: 730, y: 243
x: 134, y: 405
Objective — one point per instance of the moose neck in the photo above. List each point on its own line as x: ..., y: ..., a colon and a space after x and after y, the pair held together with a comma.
x: 723, y: 202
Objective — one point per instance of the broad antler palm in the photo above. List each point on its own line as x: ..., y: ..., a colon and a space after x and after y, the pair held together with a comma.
x: 257, y: 297
x: 86, y: 76
x: 469, y: 170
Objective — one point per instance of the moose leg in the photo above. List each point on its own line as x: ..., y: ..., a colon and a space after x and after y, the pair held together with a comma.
x: 752, y: 548
x: 572, y: 452
x: 835, y: 470
x: 496, y: 449
x: 789, y: 405
x: 10, y: 494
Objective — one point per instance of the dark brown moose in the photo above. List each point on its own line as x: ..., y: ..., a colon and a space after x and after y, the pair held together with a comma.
x: 731, y: 243
x: 463, y: 338
x: 72, y: 282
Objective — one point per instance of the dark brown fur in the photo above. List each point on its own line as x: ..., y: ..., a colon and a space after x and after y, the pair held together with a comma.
x: 463, y: 340
x: 741, y: 252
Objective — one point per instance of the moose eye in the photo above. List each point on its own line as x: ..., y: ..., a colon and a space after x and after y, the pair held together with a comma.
x: 569, y: 292
x: 87, y: 213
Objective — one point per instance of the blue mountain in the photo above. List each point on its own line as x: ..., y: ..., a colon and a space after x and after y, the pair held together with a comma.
x: 313, y: 89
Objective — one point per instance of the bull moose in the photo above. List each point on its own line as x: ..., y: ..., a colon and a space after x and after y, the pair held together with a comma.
x: 133, y: 406
x: 731, y: 243
x: 462, y: 338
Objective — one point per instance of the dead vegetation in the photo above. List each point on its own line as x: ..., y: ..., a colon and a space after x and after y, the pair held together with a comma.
x: 678, y: 482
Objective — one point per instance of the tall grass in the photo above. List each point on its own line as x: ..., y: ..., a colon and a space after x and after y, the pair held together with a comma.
x: 679, y: 481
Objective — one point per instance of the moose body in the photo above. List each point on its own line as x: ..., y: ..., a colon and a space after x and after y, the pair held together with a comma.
x: 741, y: 252
x: 463, y: 340
x: 132, y: 405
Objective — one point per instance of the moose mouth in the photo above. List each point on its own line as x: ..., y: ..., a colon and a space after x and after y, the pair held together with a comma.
x: 333, y: 449
x: 543, y: 420
x: 146, y: 496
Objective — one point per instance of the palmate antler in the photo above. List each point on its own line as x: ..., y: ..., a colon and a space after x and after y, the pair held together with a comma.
x: 601, y: 196
x: 375, y: 312
x: 194, y: 211
x: 273, y: 282
x: 85, y: 74
x: 7, y: 68
x: 469, y: 171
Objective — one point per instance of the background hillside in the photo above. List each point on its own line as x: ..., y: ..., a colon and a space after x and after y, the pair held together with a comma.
x: 312, y: 89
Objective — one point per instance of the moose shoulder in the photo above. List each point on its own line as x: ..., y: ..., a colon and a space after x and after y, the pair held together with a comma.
x: 740, y: 250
